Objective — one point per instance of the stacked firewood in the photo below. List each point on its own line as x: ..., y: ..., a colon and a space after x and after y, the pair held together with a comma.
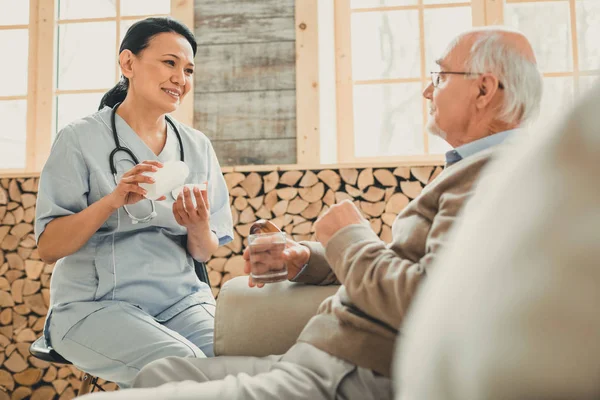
x: 295, y: 199
x: 292, y: 199
x: 24, y: 299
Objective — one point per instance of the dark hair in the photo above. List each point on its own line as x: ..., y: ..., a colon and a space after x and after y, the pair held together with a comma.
x: 136, y: 39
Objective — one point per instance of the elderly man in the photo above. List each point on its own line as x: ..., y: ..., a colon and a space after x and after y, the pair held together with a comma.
x: 488, y: 84
x: 521, y: 319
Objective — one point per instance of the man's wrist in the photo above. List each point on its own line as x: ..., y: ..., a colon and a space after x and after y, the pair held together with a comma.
x: 300, y: 271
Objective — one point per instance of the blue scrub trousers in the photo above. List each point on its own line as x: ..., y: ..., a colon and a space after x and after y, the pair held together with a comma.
x: 116, y: 342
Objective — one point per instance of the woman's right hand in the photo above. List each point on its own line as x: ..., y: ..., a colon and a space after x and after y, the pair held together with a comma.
x: 128, y: 190
x: 295, y: 256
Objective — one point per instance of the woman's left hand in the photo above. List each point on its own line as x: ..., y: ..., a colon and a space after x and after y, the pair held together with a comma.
x: 188, y: 215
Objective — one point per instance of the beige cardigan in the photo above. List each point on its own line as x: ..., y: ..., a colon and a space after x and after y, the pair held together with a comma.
x: 522, y: 318
x: 359, y: 323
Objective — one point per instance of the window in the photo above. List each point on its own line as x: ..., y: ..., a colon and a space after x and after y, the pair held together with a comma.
x: 63, y: 58
x: 88, y: 36
x: 564, y: 35
x: 386, y: 48
x: 14, y: 45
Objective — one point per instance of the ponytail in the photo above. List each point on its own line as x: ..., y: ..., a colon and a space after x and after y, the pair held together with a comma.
x: 115, y: 95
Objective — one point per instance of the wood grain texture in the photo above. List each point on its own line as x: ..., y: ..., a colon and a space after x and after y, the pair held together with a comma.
x: 243, y: 67
x: 254, y: 8
x: 248, y: 115
x: 260, y: 151
x: 239, y: 27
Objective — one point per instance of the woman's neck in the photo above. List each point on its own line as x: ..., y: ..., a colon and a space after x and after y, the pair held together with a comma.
x: 144, y: 121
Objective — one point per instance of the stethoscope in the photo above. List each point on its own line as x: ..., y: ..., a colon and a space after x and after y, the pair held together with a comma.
x: 118, y: 147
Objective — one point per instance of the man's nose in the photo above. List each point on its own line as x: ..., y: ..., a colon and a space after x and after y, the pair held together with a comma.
x: 428, y: 91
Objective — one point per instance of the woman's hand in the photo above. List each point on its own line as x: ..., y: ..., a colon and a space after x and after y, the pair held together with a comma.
x: 188, y: 215
x: 128, y: 190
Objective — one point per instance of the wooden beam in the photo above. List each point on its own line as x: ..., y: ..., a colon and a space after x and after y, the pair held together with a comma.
x: 32, y: 67
x: 557, y: 74
x: 494, y: 12
x: 574, y: 44
x: 117, y: 40
x: 424, y: 75
x: 531, y: 1
x: 344, y: 85
x: 18, y: 173
x: 384, y: 81
x: 19, y: 97
x: 478, y: 13
x: 384, y: 162
x: 183, y: 11
x: 118, y: 17
x: 80, y: 91
x: 413, y: 7
x: 11, y: 27
x: 39, y: 135
x: 307, y: 83
x: 416, y: 161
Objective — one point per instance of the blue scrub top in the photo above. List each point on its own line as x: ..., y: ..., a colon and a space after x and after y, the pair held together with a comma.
x: 144, y: 264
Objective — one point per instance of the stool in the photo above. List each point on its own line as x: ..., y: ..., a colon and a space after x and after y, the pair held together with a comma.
x: 42, y: 350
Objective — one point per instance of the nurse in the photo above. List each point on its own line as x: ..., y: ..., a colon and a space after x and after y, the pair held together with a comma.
x: 124, y: 291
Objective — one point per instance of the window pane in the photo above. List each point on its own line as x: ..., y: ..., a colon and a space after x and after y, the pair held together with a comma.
x: 14, y: 46
x: 385, y: 45
x: 126, y: 25
x: 381, y: 3
x: 588, y: 34
x: 557, y: 97
x: 14, y: 12
x: 388, y: 120
x: 13, y: 114
x: 145, y: 7
x: 441, y: 26
x: 87, y: 55
x: 586, y: 83
x: 72, y: 9
x: 547, y: 26
x: 437, y: 145
x: 70, y: 107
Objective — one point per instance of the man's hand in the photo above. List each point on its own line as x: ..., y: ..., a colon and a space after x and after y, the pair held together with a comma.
x: 295, y: 256
x: 337, y: 217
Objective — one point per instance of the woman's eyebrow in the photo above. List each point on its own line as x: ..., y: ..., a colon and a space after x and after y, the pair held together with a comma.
x: 177, y: 57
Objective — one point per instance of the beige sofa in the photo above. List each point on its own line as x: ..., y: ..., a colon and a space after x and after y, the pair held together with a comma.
x: 261, y: 322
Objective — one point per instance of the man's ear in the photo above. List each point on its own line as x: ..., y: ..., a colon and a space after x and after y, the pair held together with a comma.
x: 126, y: 59
x: 488, y: 86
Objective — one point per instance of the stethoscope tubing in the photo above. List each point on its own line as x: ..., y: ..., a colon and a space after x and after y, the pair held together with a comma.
x: 118, y: 147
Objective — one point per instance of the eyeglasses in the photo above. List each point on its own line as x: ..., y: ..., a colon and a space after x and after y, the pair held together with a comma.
x: 435, y: 77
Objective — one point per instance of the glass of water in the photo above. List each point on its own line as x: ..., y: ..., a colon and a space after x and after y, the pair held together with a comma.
x: 267, y: 264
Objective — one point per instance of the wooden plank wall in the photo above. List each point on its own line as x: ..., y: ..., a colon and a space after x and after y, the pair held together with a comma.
x: 245, y: 98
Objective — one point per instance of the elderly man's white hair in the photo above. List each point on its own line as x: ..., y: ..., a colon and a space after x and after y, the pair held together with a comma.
x: 492, y: 52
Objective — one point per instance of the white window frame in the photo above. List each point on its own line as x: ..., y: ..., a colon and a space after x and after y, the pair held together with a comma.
x: 484, y: 13
x: 41, y: 90
x: 345, y: 82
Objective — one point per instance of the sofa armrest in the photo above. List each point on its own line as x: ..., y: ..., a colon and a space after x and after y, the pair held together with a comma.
x: 260, y: 322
